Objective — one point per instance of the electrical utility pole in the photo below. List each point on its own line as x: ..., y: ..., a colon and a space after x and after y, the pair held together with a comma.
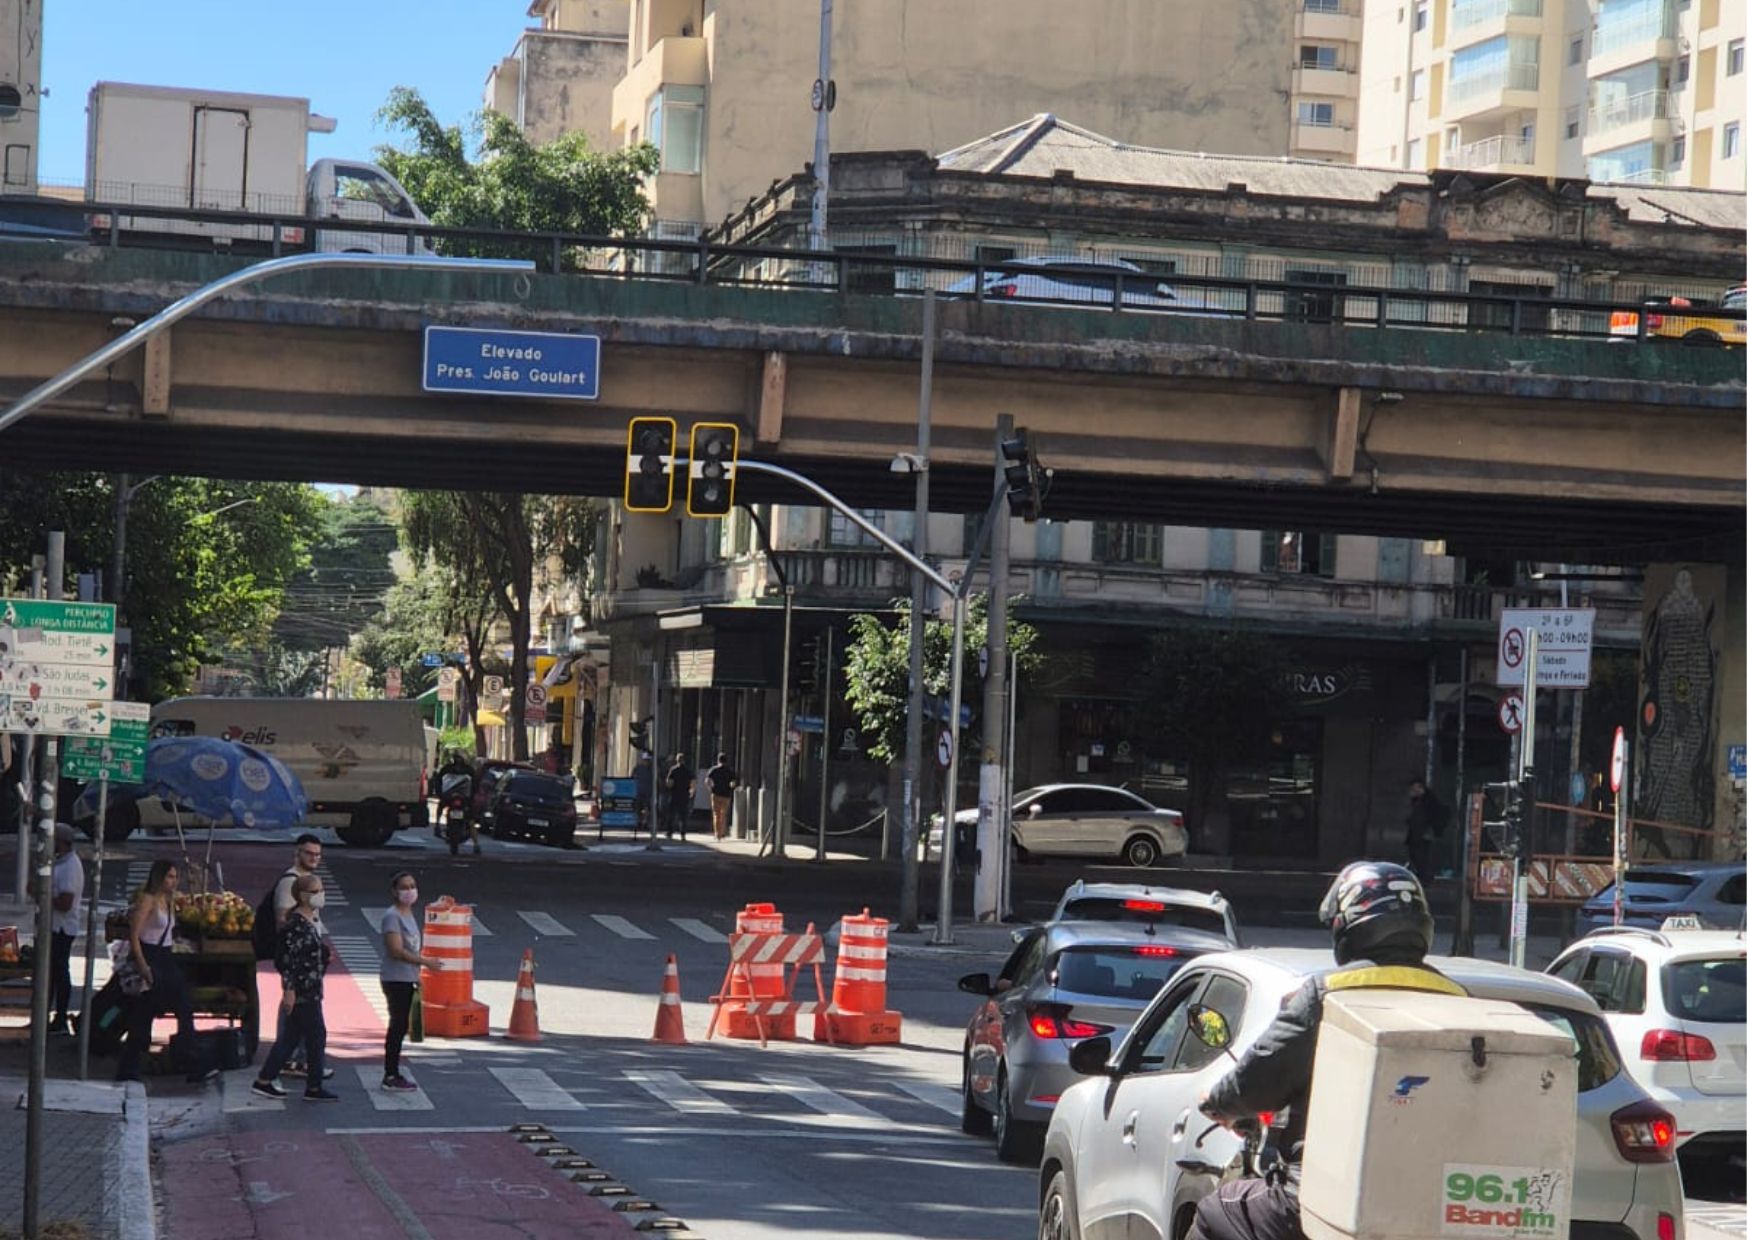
x: 912, y: 830
x: 991, y: 813
x: 825, y: 96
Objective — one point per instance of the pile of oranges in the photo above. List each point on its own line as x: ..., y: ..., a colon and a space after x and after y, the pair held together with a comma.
x: 215, y: 915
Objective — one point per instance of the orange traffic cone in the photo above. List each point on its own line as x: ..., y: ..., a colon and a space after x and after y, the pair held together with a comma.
x: 670, y: 1026
x: 524, y: 1015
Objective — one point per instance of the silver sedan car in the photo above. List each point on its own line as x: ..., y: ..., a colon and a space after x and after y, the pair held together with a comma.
x: 1064, y: 982
x: 1082, y: 820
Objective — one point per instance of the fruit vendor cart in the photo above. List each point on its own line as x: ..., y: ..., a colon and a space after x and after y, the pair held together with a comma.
x: 214, y: 949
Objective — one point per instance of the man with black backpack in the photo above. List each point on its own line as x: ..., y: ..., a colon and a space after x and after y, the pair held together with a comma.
x: 304, y: 861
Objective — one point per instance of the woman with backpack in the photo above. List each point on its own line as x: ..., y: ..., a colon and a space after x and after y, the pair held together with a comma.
x: 401, y: 963
x: 301, y: 960
x: 151, y: 979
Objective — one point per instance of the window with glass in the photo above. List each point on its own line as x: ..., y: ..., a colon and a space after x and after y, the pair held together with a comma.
x: 1320, y: 115
x: 843, y: 532
x: 1733, y: 58
x: 1732, y: 140
x: 1292, y: 551
x: 1575, y: 53
x: 674, y: 124
x: 1417, y: 84
x: 1572, y: 123
x: 873, y: 278
x: 1128, y: 542
x: 1510, y: 62
x: 1637, y: 162
x: 1420, y: 13
x: 1322, y: 6
x: 1319, y: 56
x: 1625, y: 23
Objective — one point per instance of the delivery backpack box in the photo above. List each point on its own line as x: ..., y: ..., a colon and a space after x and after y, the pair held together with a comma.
x: 1436, y: 1115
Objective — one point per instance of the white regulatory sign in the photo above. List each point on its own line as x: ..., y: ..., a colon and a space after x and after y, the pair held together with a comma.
x: 1617, y: 761
x: 1563, y: 659
x: 944, y: 750
x: 1511, y: 714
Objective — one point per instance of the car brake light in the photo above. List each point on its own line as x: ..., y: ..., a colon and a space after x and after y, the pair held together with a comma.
x: 1265, y: 1118
x: 1623, y: 319
x: 1665, y: 1226
x: 1674, y: 1046
x: 1644, y: 1133
x: 1053, y: 1021
x: 1653, y: 322
x: 1153, y: 949
x: 1144, y: 906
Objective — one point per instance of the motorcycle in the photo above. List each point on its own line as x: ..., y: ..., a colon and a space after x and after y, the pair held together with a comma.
x: 453, y: 807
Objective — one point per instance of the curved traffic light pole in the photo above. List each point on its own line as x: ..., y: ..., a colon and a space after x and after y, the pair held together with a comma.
x: 265, y: 270
x: 944, y: 916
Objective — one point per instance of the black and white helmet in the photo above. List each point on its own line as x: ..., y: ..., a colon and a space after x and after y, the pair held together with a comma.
x: 1377, y: 910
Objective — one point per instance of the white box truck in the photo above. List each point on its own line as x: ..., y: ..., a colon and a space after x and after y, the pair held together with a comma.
x: 206, y: 150
x: 363, y: 764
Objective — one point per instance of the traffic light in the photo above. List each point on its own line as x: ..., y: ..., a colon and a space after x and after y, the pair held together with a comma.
x: 710, y: 481
x: 640, y: 735
x: 1024, y: 478
x: 649, y: 465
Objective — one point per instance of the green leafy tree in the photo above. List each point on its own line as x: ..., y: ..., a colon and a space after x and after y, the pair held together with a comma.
x: 877, y: 669
x: 507, y: 182
x: 207, y: 560
x: 495, y: 542
x: 1213, y: 698
x: 344, y: 584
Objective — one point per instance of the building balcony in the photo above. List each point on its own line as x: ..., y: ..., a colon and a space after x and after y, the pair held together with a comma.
x: 1326, y: 83
x: 671, y: 62
x: 1644, y: 117
x: 1502, y: 152
x: 1644, y: 176
x: 1317, y: 140
x: 1480, y: 20
x: 1617, y: 45
x: 1515, y: 88
x: 1329, y: 21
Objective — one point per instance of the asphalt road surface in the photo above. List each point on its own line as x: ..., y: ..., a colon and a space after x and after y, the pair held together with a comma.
x: 741, y: 1142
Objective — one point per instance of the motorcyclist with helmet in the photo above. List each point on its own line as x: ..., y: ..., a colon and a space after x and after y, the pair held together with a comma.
x: 1378, y: 916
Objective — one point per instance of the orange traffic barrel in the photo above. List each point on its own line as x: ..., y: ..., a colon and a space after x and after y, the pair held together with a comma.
x: 858, y: 1015
x: 756, y: 979
x: 448, y: 940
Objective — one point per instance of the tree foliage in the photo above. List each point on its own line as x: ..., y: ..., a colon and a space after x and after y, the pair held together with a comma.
x: 494, y: 543
x: 501, y: 180
x: 199, y: 579
x: 346, y: 580
x: 877, y: 670
x: 1213, y: 697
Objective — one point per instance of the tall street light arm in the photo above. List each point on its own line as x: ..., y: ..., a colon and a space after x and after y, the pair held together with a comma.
x: 270, y: 268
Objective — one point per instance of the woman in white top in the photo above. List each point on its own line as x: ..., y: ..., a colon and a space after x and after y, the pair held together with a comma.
x: 401, y: 963
x: 149, y: 932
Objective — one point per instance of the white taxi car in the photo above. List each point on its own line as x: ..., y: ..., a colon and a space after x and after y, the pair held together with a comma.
x: 1674, y: 1000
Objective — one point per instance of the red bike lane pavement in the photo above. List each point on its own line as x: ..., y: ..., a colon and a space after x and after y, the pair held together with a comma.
x: 279, y: 1179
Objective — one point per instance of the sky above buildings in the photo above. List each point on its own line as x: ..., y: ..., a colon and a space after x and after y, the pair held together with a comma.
x: 343, y: 57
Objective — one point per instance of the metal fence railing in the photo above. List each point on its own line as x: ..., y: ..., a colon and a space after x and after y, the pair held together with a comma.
x: 1265, y: 289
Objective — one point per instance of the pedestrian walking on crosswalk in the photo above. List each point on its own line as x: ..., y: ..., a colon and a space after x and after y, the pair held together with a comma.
x: 302, y: 959
x: 401, y: 962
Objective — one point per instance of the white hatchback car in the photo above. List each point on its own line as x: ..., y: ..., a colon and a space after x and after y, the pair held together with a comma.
x: 1675, y: 1002
x: 1128, y: 1154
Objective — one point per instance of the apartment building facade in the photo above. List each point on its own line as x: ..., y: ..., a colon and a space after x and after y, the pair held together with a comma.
x: 1326, y: 80
x: 559, y: 77
x: 1636, y: 91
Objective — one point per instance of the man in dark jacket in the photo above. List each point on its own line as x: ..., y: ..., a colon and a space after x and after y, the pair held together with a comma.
x: 1426, y: 828
x: 1378, y: 915
x: 680, y: 782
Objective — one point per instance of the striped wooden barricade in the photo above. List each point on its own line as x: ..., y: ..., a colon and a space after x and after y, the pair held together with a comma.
x: 768, y: 956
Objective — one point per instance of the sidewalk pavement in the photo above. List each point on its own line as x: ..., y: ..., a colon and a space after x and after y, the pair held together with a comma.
x: 96, y: 1163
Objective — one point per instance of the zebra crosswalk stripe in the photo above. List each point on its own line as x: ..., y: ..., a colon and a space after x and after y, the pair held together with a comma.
x: 543, y: 923
x: 699, y: 930
x: 937, y: 1096
x: 811, y: 1093
x: 618, y: 925
x: 370, y: 1081
x: 677, y: 1092
x: 536, y: 1090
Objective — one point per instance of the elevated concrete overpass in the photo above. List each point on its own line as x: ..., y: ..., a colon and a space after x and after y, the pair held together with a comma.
x: 1560, y: 448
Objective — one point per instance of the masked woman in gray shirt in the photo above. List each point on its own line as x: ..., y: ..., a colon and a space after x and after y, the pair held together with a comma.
x: 401, y: 963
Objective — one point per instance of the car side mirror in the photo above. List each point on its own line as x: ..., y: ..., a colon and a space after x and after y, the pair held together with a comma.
x: 1091, y: 1057
x: 1210, y: 1027
x: 976, y: 984
x: 1034, y: 809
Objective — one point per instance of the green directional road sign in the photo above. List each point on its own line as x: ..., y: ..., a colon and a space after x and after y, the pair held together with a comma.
x: 57, y: 662
x: 121, y: 756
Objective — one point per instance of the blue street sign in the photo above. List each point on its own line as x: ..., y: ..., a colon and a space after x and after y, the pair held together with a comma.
x: 1739, y: 761
x: 555, y: 365
x: 431, y: 660
x: 940, y: 708
x: 619, y: 818
x: 619, y: 788
x: 808, y: 723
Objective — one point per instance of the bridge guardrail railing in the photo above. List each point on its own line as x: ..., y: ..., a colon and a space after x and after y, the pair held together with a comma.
x: 704, y: 262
